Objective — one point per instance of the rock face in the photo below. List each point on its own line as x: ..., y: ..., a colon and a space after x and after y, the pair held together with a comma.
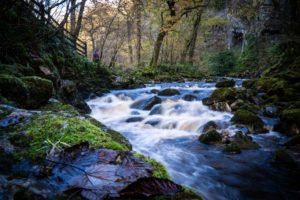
x: 249, y: 120
x: 225, y: 83
x: 168, y: 92
x: 146, y: 104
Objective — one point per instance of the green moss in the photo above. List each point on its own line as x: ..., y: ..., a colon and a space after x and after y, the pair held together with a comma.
x: 159, y: 170
x: 59, y: 107
x: 291, y: 115
x: 244, y: 141
x: 247, y: 118
x: 210, y: 137
x: 249, y: 83
x: 224, y: 94
x: 271, y: 85
x: 13, y: 88
x: 59, y: 131
x: 232, y: 148
x: 40, y: 90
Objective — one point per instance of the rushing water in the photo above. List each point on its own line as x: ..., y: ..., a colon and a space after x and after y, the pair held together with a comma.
x: 171, y: 136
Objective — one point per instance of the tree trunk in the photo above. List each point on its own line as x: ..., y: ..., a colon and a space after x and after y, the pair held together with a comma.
x: 73, y: 17
x: 129, y: 29
x: 79, y: 19
x: 157, y: 47
x: 138, y: 31
x: 191, y: 42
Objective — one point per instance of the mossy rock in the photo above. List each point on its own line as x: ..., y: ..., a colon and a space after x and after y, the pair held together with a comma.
x: 40, y: 90
x: 60, y: 131
x: 289, y: 121
x: 244, y: 141
x: 249, y: 119
x: 224, y: 94
x: 249, y: 83
x: 58, y: 107
x: 16, y: 70
x: 281, y: 156
x: 210, y: 137
x: 232, y: 148
x: 14, y: 89
x: 225, y: 83
x: 271, y: 85
x: 168, y: 92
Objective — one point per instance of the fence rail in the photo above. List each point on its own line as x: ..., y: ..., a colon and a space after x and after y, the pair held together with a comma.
x: 39, y: 11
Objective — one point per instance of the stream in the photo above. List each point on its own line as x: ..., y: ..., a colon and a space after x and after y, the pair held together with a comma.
x: 169, y: 133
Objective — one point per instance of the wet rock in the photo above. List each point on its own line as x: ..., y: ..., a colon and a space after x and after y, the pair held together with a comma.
x: 225, y: 83
x: 153, y: 122
x: 146, y: 104
x: 147, y: 187
x: 210, y: 137
x: 244, y: 141
x: 168, y: 92
x: 69, y: 94
x: 270, y: 111
x: 135, y: 113
x: 156, y: 110
x: 189, y: 97
x: 134, y: 119
x: 289, y: 121
x: 250, y: 120
x: 221, y: 106
x: 293, y: 141
x: 14, y: 118
x: 154, y: 91
x: 211, y: 125
x: 232, y: 148
x: 248, y: 83
x: 282, y: 157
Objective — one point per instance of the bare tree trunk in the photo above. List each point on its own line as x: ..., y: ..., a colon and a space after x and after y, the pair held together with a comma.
x: 73, y: 17
x: 191, y: 42
x: 79, y: 19
x: 138, y: 31
x: 129, y: 29
x: 157, y: 47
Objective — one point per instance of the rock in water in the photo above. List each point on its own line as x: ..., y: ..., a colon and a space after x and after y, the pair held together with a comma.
x: 244, y: 141
x: 250, y: 120
x: 232, y: 148
x: 189, y: 97
x: 146, y: 104
x: 168, y: 92
x: 225, y: 83
x: 210, y: 137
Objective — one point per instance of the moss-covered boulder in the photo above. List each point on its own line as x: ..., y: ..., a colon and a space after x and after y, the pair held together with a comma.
x: 244, y: 141
x: 40, y: 90
x: 168, y: 92
x: 282, y: 157
x: 210, y: 137
x: 250, y: 120
x: 225, y: 83
x: 289, y: 121
x: 16, y: 70
x: 249, y: 83
x: 13, y: 89
x: 232, y: 148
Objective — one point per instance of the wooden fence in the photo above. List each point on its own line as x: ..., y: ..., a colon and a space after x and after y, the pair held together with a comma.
x: 39, y: 11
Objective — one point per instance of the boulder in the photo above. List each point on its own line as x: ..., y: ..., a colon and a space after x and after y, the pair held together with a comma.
x: 289, y: 121
x: 250, y: 120
x: 13, y: 89
x: 40, y: 90
x: 293, y: 141
x: 146, y: 104
x: 282, y: 157
x: 189, y: 97
x: 210, y: 137
x: 211, y: 125
x: 248, y: 83
x: 68, y: 93
x: 270, y: 111
x: 244, y: 141
x: 156, y: 110
x: 225, y: 83
x: 232, y: 148
x: 168, y: 92
x: 134, y: 119
x: 220, y: 95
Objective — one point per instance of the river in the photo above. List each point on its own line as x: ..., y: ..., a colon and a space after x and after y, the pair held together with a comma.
x: 170, y: 135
